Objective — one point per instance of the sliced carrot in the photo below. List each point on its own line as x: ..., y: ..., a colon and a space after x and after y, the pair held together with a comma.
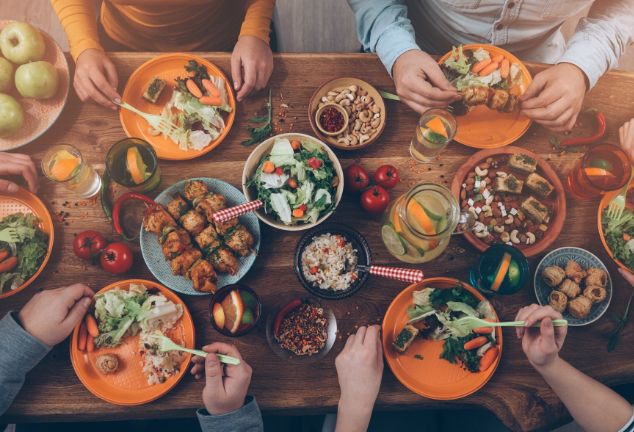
x: 498, y: 58
x: 268, y: 167
x: 292, y: 183
x: 8, y: 264
x: 298, y: 213
x: 475, y: 343
x: 210, y: 100
x: 296, y: 145
x: 488, y: 358
x: 477, y: 67
x: 505, y: 67
x: 483, y: 330
x: 490, y: 68
x: 91, y: 326
x: 314, y: 270
x: 627, y: 237
x: 90, y: 344
x: 193, y: 88
x: 211, y: 88
x: 82, y: 338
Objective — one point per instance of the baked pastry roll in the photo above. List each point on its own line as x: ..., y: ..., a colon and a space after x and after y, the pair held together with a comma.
x: 580, y: 307
x: 553, y: 276
x: 596, y: 277
x: 570, y: 288
x: 558, y: 301
x: 574, y: 271
x: 595, y: 293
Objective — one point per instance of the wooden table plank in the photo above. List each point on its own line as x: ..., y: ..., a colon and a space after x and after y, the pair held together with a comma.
x: 516, y: 394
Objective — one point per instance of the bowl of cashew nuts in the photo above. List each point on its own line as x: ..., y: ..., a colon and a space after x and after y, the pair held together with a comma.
x: 363, y: 105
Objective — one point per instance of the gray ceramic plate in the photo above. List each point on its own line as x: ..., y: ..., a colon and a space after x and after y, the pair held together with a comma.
x: 560, y: 257
x: 153, y: 255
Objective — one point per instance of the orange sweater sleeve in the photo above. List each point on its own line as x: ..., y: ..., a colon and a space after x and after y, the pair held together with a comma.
x: 257, y: 19
x: 79, y: 19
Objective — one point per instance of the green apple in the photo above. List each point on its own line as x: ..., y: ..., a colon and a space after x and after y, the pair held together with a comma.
x: 6, y: 75
x: 11, y: 115
x: 20, y: 43
x: 37, y: 80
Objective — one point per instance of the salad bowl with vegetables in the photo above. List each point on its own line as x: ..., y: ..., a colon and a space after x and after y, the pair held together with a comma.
x: 617, y: 234
x: 298, y: 179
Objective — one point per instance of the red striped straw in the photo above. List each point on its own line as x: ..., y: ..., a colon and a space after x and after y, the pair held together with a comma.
x: 233, y: 212
x: 397, y: 273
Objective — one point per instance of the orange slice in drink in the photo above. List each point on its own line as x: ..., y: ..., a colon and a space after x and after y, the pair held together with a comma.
x: 64, y: 165
x: 500, y: 274
x: 233, y: 309
x: 136, y: 166
x: 422, y: 219
x: 437, y: 126
x: 219, y: 315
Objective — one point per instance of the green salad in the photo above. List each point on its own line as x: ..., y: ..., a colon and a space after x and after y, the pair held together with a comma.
x: 22, y: 258
x: 619, y: 235
x: 296, y: 181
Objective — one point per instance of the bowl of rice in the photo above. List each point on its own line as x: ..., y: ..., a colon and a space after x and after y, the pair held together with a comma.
x: 327, y: 259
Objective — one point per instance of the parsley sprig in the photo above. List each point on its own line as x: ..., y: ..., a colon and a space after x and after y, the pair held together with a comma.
x: 262, y: 132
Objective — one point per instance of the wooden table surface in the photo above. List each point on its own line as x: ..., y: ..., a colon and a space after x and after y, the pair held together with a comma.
x: 516, y: 393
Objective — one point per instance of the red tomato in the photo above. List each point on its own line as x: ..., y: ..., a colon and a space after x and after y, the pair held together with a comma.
x: 386, y: 176
x: 279, y: 171
x: 314, y: 163
x: 375, y: 200
x: 356, y: 178
x: 116, y: 258
x: 87, y: 244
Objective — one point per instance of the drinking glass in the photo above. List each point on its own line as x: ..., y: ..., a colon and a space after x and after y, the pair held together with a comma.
x: 501, y: 269
x: 604, y: 168
x: 434, y: 131
x: 132, y: 162
x: 65, y: 164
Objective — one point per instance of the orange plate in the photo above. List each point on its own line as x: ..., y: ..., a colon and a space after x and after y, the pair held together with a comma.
x: 39, y: 115
x: 605, y: 201
x: 431, y: 377
x: 128, y: 386
x: 167, y: 67
x: 26, y: 202
x: 482, y: 127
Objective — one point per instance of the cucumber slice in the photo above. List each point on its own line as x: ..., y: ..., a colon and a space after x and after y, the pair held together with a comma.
x: 514, y: 273
x: 393, y: 241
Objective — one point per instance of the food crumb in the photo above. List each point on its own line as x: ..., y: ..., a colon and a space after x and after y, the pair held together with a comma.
x: 418, y: 357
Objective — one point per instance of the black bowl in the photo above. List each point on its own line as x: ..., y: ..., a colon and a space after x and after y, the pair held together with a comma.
x: 359, y: 243
x: 220, y: 295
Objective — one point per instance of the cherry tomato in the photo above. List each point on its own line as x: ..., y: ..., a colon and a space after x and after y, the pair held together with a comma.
x: 356, y: 177
x: 279, y: 171
x: 314, y: 163
x: 375, y: 200
x: 87, y: 244
x: 116, y: 258
x: 386, y: 176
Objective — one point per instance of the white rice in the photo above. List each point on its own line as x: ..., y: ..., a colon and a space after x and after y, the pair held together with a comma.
x: 333, y: 260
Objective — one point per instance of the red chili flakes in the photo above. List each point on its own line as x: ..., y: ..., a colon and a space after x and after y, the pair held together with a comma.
x: 331, y: 119
x: 304, y: 330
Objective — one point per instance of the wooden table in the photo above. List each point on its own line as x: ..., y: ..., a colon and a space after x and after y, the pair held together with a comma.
x: 516, y: 394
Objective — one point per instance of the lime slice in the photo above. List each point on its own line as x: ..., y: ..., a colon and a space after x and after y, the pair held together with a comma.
x: 434, y: 140
x: 248, y: 299
x: 442, y: 224
x: 392, y: 241
x: 514, y: 273
x: 601, y: 163
x: 432, y: 215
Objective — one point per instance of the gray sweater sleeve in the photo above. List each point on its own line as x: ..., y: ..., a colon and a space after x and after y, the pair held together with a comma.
x: 246, y: 419
x: 20, y: 353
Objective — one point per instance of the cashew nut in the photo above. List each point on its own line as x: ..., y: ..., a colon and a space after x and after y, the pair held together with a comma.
x: 357, y: 125
x: 505, y: 237
x: 482, y: 234
x: 363, y: 138
x: 333, y: 93
x: 478, y: 227
x: 341, y: 96
x: 509, y: 220
x: 481, y: 172
x: 486, y: 209
x: 375, y: 123
x: 375, y: 109
x: 530, y: 238
x: 501, y: 174
x: 344, y: 102
x: 324, y: 99
x: 543, y: 227
x: 353, y: 140
x: 353, y: 88
x: 498, y: 228
x: 365, y: 116
x: 489, y: 200
x: 350, y: 96
x: 514, y: 238
x: 365, y: 128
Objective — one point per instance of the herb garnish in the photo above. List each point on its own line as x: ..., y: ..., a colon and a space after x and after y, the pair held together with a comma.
x: 260, y: 133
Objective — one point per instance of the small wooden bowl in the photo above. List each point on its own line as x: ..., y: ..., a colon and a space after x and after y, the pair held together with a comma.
x: 557, y: 222
x: 339, y: 83
x: 339, y: 108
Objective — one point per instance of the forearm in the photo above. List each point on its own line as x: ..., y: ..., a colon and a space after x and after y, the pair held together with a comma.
x: 593, y: 405
x: 353, y: 417
x: 601, y: 38
x: 78, y: 17
x: 257, y: 19
x: 20, y: 353
x: 246, y: 419
x: 383, y: 27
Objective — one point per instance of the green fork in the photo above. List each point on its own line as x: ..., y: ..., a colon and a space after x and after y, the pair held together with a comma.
x: 617, y: 204
x: 166, y: 344
x: 9, y: 235
x: 469, y: 323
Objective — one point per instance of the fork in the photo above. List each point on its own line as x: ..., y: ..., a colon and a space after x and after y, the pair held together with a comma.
x: 617, y: 204
x: 157, y: 122
x: 469, y: 323
x: 166, y: 344
x: 9, y: 235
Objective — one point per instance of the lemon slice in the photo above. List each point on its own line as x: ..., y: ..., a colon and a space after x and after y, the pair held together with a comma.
x: 392, y: 241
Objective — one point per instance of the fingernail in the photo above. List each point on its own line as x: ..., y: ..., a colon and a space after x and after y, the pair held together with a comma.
x: 86, y: 302
x: 13, y: 188
x: 117, y: 100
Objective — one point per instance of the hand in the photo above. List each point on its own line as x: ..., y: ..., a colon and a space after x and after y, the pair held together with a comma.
x: 420, y: 82
x: 251, y: 65
x: 96, y: 78
x: 226, y: 385
x: 359, y: 369
x: 626, y: 138
x: 51, y: 315
x: 17, y: 164
x: 555, y: 96
x: 629, y: 277
x: 541, y: 345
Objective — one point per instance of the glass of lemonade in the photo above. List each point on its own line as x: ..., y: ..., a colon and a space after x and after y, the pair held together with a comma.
x: 501, y: 269
x: 417, y: 226
x: 434, y: 130
x: 65, y: 164
x: 132, y: 162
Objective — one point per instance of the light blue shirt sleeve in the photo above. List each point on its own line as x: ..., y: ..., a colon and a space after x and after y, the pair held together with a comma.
x: 384, y: 28
x: 601, y: 38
